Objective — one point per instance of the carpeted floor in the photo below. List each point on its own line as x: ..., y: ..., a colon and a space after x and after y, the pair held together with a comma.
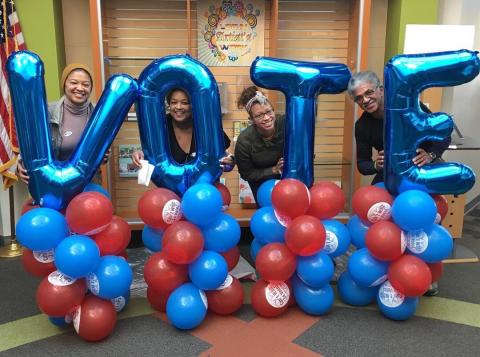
x: 445, y: 325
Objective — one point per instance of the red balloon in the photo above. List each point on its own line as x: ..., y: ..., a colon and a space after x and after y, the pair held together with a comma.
x: 159, y: 208
x: 442, y: 207
x: 436, y: 269
x: 326, y: 200
x: 270, y: 299
x: 58, y: 294
x: 182, y: 242
x: 226, y: 299
x: 291, y: 300
x: 38, y: 263
x: 157, y: 299
x: 305, y: 235
x: 27, y: 206
x: 410, y: 275
x: 115, y: 238
x: 123, y: 254
x: 372, y: 204
x: 95, y: 319
x: 163, y: 275
x: 384, y: 241
x: 89, y: 213
x: 226, y: 196
x: 290, y: 198
x: 232, y: 257
x: 275, y: 262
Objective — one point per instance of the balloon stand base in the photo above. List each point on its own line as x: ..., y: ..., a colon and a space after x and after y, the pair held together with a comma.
x: 461, y: 254
x: 11, y: 250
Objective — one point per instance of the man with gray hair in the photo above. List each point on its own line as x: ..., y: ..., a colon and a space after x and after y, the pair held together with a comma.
x: 366, y: 90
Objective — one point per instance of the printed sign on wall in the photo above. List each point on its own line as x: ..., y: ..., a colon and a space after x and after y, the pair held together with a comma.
x: 230, y: 32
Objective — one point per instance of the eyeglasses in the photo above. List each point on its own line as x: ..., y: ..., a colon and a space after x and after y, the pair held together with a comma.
x: 368, y: 94
x: 260, y: 116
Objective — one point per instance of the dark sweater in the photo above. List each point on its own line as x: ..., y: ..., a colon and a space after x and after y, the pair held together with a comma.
x: 369, y: 135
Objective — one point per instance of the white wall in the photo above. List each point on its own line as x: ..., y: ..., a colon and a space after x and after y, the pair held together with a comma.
x: 463, y: 102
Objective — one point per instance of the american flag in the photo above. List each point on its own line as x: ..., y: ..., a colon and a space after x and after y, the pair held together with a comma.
x: 11, y: 39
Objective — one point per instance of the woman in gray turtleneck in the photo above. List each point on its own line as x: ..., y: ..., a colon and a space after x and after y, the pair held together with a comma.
x: 69, y: 115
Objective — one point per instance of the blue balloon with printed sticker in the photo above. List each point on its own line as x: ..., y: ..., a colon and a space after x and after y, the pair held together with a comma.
x: 186, y: 307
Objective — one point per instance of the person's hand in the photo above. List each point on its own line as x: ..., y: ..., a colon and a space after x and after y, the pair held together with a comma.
x: 379, y: 160
x: 278, y: 168
x: 227, y: 163
x: 22, y: 172
x: 422, y: 158
x: 106, y: 156
x: 136, y: 157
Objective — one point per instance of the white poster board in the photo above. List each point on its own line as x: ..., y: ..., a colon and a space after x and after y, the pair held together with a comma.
x: 438, y: 38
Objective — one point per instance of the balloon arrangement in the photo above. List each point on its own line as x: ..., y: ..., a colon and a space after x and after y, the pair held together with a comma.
x: 295, y: 239
x: 400, y: 248
x: 195, y: 246
x: 80, y: 256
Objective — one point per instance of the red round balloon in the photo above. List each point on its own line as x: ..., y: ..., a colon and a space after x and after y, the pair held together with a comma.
x: 270, y: 299
x: 89, y: 213
x: 159, y: 208
x: 410, y: 275
x: 226, y: 196
x: 58, y: 294
x: 305, y: 235
x: 157, y: 299
x: 436, y: 269
x: 123, y: 254
x: 290, y: 198
x: 38, y: 263
x: 163, y: 275
x: 226, y: 299
x: 384, y: 241
x: 442, y: 207
x: 95, y: 319
x: 326, y: 200
x: 182, y: 242
x: 372, y: 204
x: 115, y: 238
x: 275, y: 262
x: 27, y: 206
x: 232, y: 256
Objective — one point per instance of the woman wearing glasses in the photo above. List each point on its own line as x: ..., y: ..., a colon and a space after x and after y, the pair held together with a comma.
x: 259, y: 148
x: 366, y: 90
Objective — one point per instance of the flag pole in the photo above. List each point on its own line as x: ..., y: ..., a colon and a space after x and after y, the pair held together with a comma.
x: 12, y: 249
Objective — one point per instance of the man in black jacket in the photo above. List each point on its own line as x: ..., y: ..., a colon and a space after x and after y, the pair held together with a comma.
x: 366, y: 90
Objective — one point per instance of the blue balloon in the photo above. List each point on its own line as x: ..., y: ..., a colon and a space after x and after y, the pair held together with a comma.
x: 111, y: 279
x: 338, y: 238
x: 152, y: 238
x: 264, y: 193
x: 301, y: 83
x: 93, y: 187
x: 433, y: 245
x: 58, y: 321
x: 365, y: 270
x: 394, y: 304
x: 121, y: 302
x: 406, y: 125
x: 155, y: 81
x: 358, y: 231
x: 255, y: 246
x: 77, y: 256
x: 315, y: 270
x: 317, y: 301
x: 52, y: 183
x: 265, y: 226
x: 186, y: 307
x: 353, y: 294
x: 208, y: 271
x: 41, y: 229
x: 414, y: 210
x: 222, y: 234
x: 202, y: 203
x: 381, y: 185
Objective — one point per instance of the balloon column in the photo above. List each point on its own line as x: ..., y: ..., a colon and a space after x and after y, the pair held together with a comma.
x: 294, y: 242
x: 195, y: 247
x: 400, y: 253
x: 78, y: 254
